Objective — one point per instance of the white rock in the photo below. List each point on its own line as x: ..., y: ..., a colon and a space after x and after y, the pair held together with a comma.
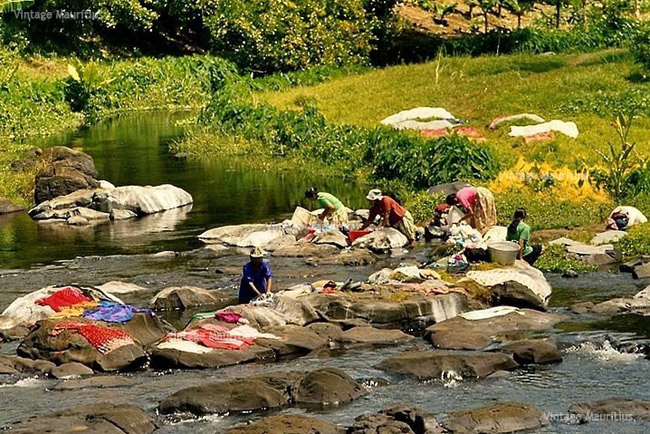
x: 116, y: 287
x: 382, y: 240
x: 607, y: 237
x: 142, y: 200
x: 106, y: 185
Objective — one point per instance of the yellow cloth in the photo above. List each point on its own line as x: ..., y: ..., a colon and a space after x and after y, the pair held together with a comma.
x: 76, y: 310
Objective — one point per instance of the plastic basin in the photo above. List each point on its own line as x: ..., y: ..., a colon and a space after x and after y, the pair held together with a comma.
x: 503, y: 252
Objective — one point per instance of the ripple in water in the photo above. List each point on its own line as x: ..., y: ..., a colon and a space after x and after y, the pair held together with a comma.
x: 603, y: 352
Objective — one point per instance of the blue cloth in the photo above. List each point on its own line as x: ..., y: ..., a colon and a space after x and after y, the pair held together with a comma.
x: 113, y: 312
x: 258, y: 277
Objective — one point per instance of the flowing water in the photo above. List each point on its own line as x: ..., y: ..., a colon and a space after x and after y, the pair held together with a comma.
x: 134, y: 150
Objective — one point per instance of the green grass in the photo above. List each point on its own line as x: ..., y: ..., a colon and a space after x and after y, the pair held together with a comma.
x: 480, y: 89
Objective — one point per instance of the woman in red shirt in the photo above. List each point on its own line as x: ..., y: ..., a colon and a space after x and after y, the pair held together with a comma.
x: 392, y: 214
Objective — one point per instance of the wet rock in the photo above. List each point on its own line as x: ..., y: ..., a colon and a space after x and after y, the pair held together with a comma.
x: 8, y: 207
x: 334, y: 238
x: 609, y: 407
x: 474, y: 334
x: 248, y: 235
x: 141, y: 200
x: 184, y: 297
x: 71, y: 370
x: 331, y: 332
x: 276, y: 390
x: 617, y: 306
x: 533, y: 351
x: 121, y: 214
x: 628, y: 267
x: 418, y: 420
x: 13, y: 333
x: 382, y: 241
x: 306, y: 250
x: 166, y: 357
x: 584, y: 307
x: 351, y: 258
x: 296, y: 310
x: 95, y: 418
x: 378, y: 423
x: 371, y: 335
x: 641, y: 271
x: 101, y: 382
x: 73, y: 347
x: 570, y: 274
x: 432, y: 364
x: 62, y: 205
x: 65, y: 171
x: 288, y: 424
x: 292, y: 340
x: 259, y: 316
x: 21, y: 365
x: 498, y: 418
x: 116, y: 287
x: 520, y: 285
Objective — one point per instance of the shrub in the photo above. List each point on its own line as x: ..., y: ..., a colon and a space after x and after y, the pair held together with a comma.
x: 555, y: 260
x: 636, y: 242
x: 640, y: 48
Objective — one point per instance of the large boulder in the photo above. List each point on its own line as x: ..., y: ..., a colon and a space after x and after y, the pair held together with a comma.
x: 288, y: 424
x: 529, y: 351
x: 141, y: 200
x: 351, y: 258
x: 478, y: 329
x: 306, y: 250
x: 65, y: 171
x: 185, y: 297
x: 633, y: 408
x: 321, y: 387
x: 94, y: 418
x: 334, y: 238
x: 429, y: 365
x: 382, y: 241
x: 176, y: 353
x: 19, y: 365
x: 8, y: 207
x: 371, y: 335
x: 497, y: 418
x: 520, y: 285
x: 249, y: 235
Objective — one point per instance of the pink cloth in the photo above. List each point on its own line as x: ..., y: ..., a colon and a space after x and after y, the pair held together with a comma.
x: 467, y: 197
x: 229, y: 317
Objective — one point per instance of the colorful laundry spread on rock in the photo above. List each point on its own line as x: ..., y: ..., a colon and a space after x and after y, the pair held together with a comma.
x: 229, y: 317
x: 66, y: 297
x: 76, y: 310
x: 219, y: 337
x: 109, y: 311
x: 103, y: 339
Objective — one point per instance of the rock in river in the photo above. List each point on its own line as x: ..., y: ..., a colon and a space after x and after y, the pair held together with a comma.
x: 382, y: 241
x: 94, y: 418
x: 320, y: 387
x: 623, y: 407
x: 537, y: 351
x: 432, y: 364
x: 288, y: 424
x: 185, y: 297
x: 498, y: 418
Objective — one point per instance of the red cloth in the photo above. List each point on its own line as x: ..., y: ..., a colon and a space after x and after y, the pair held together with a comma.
x: 387, y: 205
x: 104, y: 339
x: 212, y: 336
x: 469, y: 131
x: 66, y: 297
x: 442, y: 208
x: 434, y: 134
x: 229, y: 317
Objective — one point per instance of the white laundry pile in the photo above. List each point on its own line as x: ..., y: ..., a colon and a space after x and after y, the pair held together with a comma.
x: 567, y: 128
x: 465, y: 236
x: 490, y: 313
x: 420, y: 118
x: 634, y: 216
x: 529, y: 116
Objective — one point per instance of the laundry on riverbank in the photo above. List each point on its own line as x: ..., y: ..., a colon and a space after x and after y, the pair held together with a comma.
x: 567, y: 128
x: 109, y: 311
x: 229, y: 317
x: 463, y: 131
x: 103, y: 339
x: 623, y: 217
x: 219, y: 337
x: 418, y: 119
x: 64, y: 298
x: 512, y: 118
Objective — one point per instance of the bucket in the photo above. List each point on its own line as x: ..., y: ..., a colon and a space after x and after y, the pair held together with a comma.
x: 353, y: 235
x: 503, y: 252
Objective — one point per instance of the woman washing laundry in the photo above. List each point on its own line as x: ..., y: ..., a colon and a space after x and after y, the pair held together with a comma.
x: 334, y: 210
x: 257, y: 278
x: 519, y: 232
x: 392, y: 214
x: 478, y: 204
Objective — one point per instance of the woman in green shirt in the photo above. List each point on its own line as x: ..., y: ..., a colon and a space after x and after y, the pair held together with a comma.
x: 333, y: 209
x: 519, y: 232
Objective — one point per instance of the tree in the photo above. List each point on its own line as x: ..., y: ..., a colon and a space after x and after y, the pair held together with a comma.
x: 559, y: 4
x: 486, y: 6
x: 519, y: 8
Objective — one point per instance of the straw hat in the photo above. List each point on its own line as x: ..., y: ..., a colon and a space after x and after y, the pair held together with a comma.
x: 257, y: 253
x: 374, y: 194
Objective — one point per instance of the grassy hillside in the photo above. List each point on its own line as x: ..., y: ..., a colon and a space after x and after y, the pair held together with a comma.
x: 584, y: 88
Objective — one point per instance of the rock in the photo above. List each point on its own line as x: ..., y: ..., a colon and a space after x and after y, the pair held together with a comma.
x: 71, y: 370
x: 94, y: 418
x: 62, y: 205
x: 106, y: 185
x: 323, y: 386
x: 21, y: 365
x: 296, y: 310
x: 644, y: 293
x: 8, y: 207
x: 73, y: 347
x: 628, y: 267
x: 584, y: 307
x: 428, y: 365
x: 100, y: 382
x: 586, y: 411
x: 183, y: 297
x: 334, y: 238
x: 306, y: 250
x: 520, y: 285
x: 351, y: 258
x: 529, y: 351
x: 570, y: 274
x: 417, y: 419
x: 378, y: 423
x: 167, y: 356
x: 141, y: 200
x: 497, y: 418
x: 293, y: 340
x: 65, y: 172
x: 641, y: 271
x: 249, y: 235
x: 464, y: 334
x: 328, y: 331
x: 594, y: 255
x: 617, y: 306
x: 447, y: 189
x: 382, y: 241
x: 288, y: 424
x: 607, y: 237
x: 371, y: 335
x: 259, y: 316
x: 116, y: 287
x: 122, y: 214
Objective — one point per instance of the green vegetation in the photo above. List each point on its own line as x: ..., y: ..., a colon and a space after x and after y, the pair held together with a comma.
x: 554, y: 260
x: 636, y: 242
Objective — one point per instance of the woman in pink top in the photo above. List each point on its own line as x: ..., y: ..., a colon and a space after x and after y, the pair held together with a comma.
x: 478, y: 203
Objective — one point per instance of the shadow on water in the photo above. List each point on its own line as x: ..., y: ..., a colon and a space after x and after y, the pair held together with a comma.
x: 134, y: 150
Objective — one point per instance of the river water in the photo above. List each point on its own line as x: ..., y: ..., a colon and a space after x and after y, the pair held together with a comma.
x: 134, y: 150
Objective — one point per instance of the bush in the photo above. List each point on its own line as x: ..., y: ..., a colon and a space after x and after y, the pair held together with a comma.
x: 640, y: 47
x: 637, y: 242
x: 555, y: 260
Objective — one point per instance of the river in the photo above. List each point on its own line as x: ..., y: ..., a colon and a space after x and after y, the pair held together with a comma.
x: 134, y: 150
